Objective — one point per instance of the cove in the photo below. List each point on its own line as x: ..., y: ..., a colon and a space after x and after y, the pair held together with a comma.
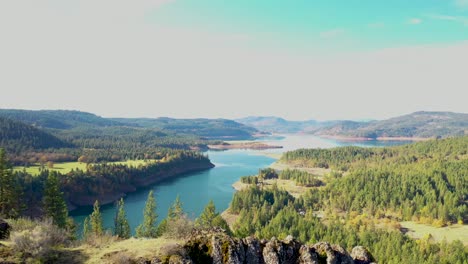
x: 197, y: 189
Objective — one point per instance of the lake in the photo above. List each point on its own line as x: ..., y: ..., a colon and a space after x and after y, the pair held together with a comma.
x: 197, y: 189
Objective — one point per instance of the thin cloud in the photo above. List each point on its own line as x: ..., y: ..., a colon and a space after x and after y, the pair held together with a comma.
x: 415, y: 21
x: 332, y: 33
x: 457, y: 19
x: 461, y: 3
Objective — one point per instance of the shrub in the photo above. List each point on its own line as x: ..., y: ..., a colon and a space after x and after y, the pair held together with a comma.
x: 39, y: 241
x: 181, y: 227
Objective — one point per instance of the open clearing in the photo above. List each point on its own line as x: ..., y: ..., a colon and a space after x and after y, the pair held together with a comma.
x: 66, y: 167
x: 315, y: 171
x: 449, y: 233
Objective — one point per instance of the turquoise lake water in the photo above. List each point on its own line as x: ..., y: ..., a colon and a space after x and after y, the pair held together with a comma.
x: 197, y: 189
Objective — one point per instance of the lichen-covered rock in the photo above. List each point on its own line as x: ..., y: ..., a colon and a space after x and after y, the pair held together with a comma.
x: 235, y: 252
x: 253, y: 251
x: 269, y: 253
x: 288, y: 250
x: 216, y: 253
x: 341, y: 255
x: 220, y: 248
x: 4, y: 229
x: 307, y: 255
x: 361, y: 255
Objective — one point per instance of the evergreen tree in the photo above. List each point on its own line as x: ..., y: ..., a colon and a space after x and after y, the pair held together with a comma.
x: 86, y: 227
x: 11, y: 204
x: 175, y: 210
x: 54, y: 203
x: 208, y: 215
x: 122, y: 227
x: 148, y: 228
x: 96, y: 221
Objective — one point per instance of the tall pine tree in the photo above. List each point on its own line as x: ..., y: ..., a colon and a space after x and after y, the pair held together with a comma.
x: 122, y: 227
x: 95, y: 221
x: 11, y: 204
x: 210, y: 218
x: 54, y: 203
x: 148, y: 228
x: 175, y: 210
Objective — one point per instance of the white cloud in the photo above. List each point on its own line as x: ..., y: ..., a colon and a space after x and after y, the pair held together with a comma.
x: 415, y: 21
x: 114, y: 64
x: 332, y: 33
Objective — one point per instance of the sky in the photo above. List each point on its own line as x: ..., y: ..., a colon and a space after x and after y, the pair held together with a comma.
x: 297, y: 59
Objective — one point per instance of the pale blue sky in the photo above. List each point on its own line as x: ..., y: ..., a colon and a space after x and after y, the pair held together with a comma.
x: 297, y: 59
x: 354, y: 24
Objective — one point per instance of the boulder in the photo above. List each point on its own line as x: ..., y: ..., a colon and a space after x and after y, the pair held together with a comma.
x: 361, y: 255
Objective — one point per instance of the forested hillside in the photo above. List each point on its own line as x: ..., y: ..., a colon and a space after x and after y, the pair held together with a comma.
x: 64, y: 121
x: 17, y: 137
x: 365, y: 195
x: 425, y: 181
x: 207, y: 128
x: 60, y: 135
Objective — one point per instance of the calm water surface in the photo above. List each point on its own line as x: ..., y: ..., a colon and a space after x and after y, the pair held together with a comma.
x: 197, y: 189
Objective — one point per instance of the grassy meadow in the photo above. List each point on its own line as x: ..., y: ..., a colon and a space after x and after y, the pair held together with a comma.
x: 66, y: 167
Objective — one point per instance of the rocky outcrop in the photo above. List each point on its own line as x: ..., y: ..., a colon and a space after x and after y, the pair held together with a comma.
x: 361, y: 255
x: 4, y: 229
x: 219, y: 248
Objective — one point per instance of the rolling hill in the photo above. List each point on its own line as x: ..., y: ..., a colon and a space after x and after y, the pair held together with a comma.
x: 415, y: 125
x: 16, y: 136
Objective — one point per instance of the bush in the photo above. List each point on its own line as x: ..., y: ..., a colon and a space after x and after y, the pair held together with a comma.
x: 179, y: 228
x: 100, y: 240
x: 39, y: 240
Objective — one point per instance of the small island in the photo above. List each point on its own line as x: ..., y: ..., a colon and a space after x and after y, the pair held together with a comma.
x: 243, y: 145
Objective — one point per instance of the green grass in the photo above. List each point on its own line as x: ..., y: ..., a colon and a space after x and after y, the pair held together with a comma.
x: 66, y: 167
x: 449, y: 233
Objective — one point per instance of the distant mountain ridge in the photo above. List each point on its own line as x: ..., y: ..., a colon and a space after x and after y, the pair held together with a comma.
x: 277, y: 124
x: 415, y: 125
x: 82, y: 122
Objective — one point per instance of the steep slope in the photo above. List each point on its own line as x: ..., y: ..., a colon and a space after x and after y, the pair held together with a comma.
x: 16, y: 136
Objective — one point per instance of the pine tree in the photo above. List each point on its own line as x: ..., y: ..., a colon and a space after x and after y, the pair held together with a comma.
x: 54, y: 203
x: 148, y: 228
x: 96, y: 221
x: 11, y: 204
x: 86, y: 227
x: 208, y: 215
x: 175, y: 210
x: 122, y: 227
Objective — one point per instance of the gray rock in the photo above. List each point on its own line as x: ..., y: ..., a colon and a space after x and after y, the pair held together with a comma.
x: 361, y: 255
x: 253, y: 250
x: 307, y: 255
x: 216, y: 252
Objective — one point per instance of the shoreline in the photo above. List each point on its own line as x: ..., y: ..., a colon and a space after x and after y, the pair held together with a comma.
x: 351, y: 138
x: 244, y: 145
x: 138, y: 184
